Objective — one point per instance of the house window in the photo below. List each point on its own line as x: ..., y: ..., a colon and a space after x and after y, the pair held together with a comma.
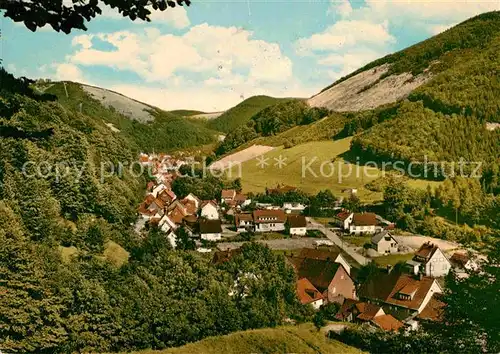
x: 334, y: 290
x: 342, y: 276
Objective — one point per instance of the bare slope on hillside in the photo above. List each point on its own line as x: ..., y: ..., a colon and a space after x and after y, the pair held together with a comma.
x: 127, y: 106
x: 241, y: 156
x: 366, y: 91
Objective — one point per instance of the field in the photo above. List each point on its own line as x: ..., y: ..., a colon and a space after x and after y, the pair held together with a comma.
x: 311, y: 167
x: 303, y: 338
x: 256, y: 179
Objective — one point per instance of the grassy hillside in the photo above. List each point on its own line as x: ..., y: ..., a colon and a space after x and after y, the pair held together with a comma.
x: 292, y: 339
x: 241, y: 113
x: 167, y: 132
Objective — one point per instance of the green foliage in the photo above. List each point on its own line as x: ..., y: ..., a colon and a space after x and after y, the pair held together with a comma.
x: 165, y: 133
x: 271, y: 121
x: 240, y: 114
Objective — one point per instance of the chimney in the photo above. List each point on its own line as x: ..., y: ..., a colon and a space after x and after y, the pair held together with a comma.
x: 389, y: 269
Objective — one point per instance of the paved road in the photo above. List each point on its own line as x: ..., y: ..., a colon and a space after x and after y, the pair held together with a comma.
x: 280, y: 244
x: 332, y: 236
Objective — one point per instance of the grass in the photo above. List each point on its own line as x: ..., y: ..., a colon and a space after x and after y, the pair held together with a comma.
x: 358, y: 241
x: 67, y: 253
x: 392, y: 259
x: 304, y: 338
x: 256, y: 179
x: 115, y: 253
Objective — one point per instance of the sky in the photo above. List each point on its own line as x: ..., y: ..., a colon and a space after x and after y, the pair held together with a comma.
x: 215, y: 53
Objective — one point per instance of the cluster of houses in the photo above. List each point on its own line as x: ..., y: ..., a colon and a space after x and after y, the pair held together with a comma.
x: 390, y: 299
x: 362, y: 223
x: 271, y: 220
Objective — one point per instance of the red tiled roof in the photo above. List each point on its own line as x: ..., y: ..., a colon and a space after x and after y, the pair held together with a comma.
x: 260, y: 216
x: 367, y: 311
x: 386, y: 287
x: 306, y: 292
x: 434, y: 310
x: 189, y: 205
x: 228, y: 193
x: 149, y: 199
x: 318, y: 254
x: 387, y: 323
x: 343, y: 215
x: 319, y: 272
x: 242, y: 217
x: 346, y: 309
x: 240, y: 198
x: 364, y: 219
x: 206, y: 202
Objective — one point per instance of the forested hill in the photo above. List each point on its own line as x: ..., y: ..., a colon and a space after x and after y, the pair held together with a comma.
x: 458, y: 54
x: 146, y: 128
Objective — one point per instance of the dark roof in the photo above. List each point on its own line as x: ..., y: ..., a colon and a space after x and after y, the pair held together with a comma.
x: 367, y: 311
x: 346, y: 309
x: 365, y: 219
x: 242, y: 216
x: 210, y: 227
x: 459, y: 259
x: 319, y: 272
x: 380, y: 235
x: 318, y: 254
x: 296, y: 221
x: 425, y: 252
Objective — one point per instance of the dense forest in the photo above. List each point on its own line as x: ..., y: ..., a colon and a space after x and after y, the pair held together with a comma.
x: 156, y: 297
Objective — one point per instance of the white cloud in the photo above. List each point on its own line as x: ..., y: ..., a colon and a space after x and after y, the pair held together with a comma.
x: 203, y: 49
x: 173, y: 16
x: 436, y: 29
x: 346, y: 35
x: 68, y: 72
x: 341, y: 7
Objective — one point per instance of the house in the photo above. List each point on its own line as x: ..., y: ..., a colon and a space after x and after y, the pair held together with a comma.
x: 167, y: 196
x: 324, y: 255
x: 191, y: 197
x: 176, y: 212
x: 405, y: 292
x: 363, y: 223
x: 327, y: 276
x: 366, y: 311
x: 227, y: 196
x: 383, y: 242
x: 242, y: 200
x: 166, y: 224
x: 209, y: 210
x: 150, y: 186
x: 158, y: 189
x: 189, y: 206
x: 269, y: 220
x: 356, y: 311
x: 433, y: 261
x: 210, y: 230
x: 296, y: 225
x: 290, y: 207
x: 344, y: 219
x: 308, y: 294
x: 462, y: 261
x: 172, y: 239
x: 244, y: 222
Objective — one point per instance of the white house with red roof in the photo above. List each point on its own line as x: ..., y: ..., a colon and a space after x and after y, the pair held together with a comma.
x: 209, y: 210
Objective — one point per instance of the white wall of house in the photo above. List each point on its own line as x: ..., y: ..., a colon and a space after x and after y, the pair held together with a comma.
x: 438, y: 265
x: 244, y: 225
x: 300, y: 231
x: 294, y: 206
x: 387, y: 246
x: 158, y: 189
x: 172, y: 239
x: 211, y: 237
x: 271, y: 226
x: 348, y: 221
x: 317, y: 304
x: 193, y: 198
x: 209, y: 211
x: 344, y: 263
x: 371, y: 229
x: 435, y: 288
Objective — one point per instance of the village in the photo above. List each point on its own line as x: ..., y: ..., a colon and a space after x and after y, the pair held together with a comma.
x: 325, y: 254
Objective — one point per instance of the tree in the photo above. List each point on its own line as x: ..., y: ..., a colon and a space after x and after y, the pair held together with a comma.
x: 64, y: 16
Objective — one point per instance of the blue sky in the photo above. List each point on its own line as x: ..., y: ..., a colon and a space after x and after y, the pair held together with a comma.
x: 213, y: 54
